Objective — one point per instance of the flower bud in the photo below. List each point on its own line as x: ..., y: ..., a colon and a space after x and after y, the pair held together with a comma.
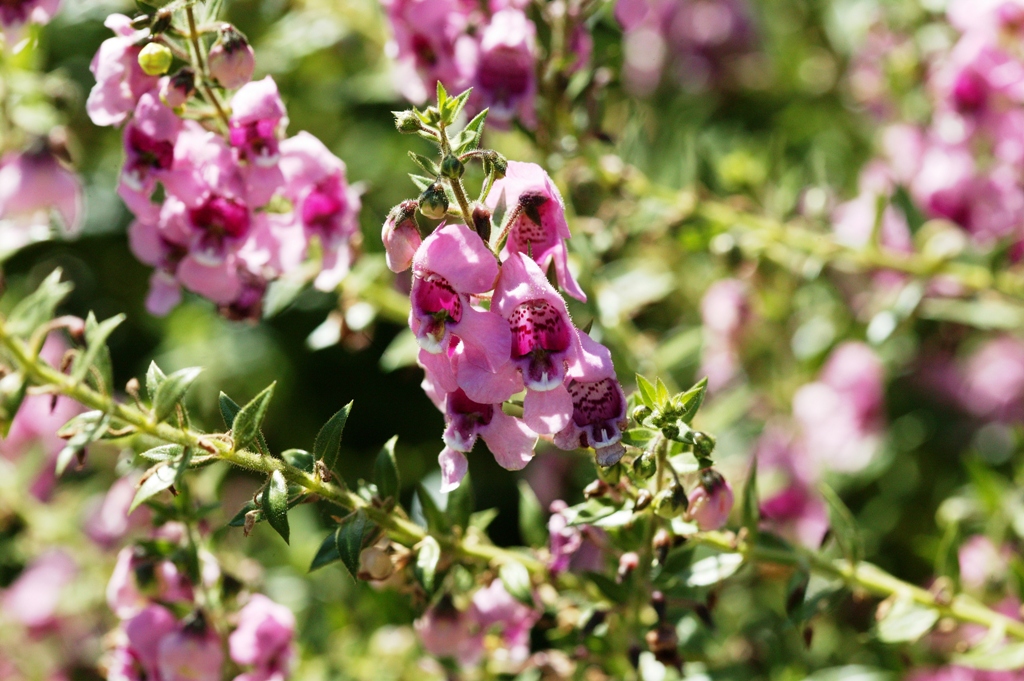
x: 627, y: 563
x: 663, y: 641
x: 643, y: 500
x: 375, y: 565
x: 176, y: 89
x: 663, y: 542
x: 452, y: 167
x: 482, y: 222
x: 401, y: 236
x: 232, y: 61
x: 641, y: 413
x: 499, y: 164
x: 670, y: 502
x: 703, y: 445
x: 407, y: 122
x: 161, y: 21
x: 644, y: 466
x: 434, y: 202
x: 155, y: 59
x: 597, y: 488
x: 670, y: 431
x: 711, y: 501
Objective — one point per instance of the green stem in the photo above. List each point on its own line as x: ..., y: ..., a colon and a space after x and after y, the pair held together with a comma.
x: 456, y: 184
x: 200, y: 64
x: 399, y: 529
x: 867, y: 577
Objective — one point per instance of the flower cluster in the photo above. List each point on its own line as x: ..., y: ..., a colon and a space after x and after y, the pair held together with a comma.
x: 462, y: 45
x: 16, y: 14
x: 225, y: 204
x: 964, y: 165
x: 477, y: 359
x: 166, y: 635
x: 695, y: 42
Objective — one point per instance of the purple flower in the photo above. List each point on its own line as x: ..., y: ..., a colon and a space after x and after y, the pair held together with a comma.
x: 34, y: 185
x: 982, y: 563
x: 710, y: 501
x: 110, y: 521
x: 232, y: 60
x: 452, y: 264
x: 401, y: 236
x: 149, y: 140
x: 993, y: 380
x: 505, y: 80
x: 563, y: 540
x: 192, y: 653
x: 263, y: 638
x: 496, y: 610
x: 14, y: 14
x: 725, y: 311
x: 137, y: 576
x: 447, y: 632
x: 34, y: 598
x: 136, y: 657
x: 599, y: 405
x: 120, y: 81
x: 258, y: 118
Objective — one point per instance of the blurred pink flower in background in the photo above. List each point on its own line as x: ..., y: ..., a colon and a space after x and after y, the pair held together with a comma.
x: 725, y: 313
x: 982, y: 563
x: 34, y: 187
x: 14, y: 14
x: 263, y: 639
x: 33, y: 599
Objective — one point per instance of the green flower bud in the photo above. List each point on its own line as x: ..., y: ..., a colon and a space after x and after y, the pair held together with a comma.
x: 671, y: 431
x: 643, y: 500
x: 671, y: 502
x: 452, y: 167
x: 703, y: 445
x: 641, y: 412
x: 434, y: 202
x: 161, y: 21
x: 644, y: 466
x: 407, y: 122
x: 155, y: 59
x: 499, y: 163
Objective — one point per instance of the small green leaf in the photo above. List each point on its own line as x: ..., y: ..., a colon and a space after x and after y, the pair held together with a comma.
x: 661, y: 391
x: 328, y: 440
x: 638, y: 437
x: 183, y: 465
x: 428, y: 166
x: 239, y: 519
x: 154, y: 377
x: 455, y: 105
x: 96, y: 352
x: 531, y: 517
x: 274, y: 504
x: 469, y: 138
x: 351, y: 535
x: 171, y: 391
x: 163, y: 453
x: 751, y: 510
x: 713, y: 569
x: 427, y: 557
x: 461, y: 503
x: 436, y: 520
x: 86, y: 429
x: 246, y: 427
x: 159, y: 479
x: 299, y: 458
x: 481, y: 520
x: 516, y: 579
x: 442, y: 96
x: 647, y: 392
x: 38, y: 307
x: 421, y: 182
x: 385, y: 471
x: 844, y: 525
x: 590, y: 511
x: 906, y: 621
x: 229, y: 410
x: 1009, y: 657
x: 692, y: 400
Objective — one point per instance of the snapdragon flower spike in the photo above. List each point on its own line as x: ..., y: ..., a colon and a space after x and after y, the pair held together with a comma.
x: 14, y: 14
x: 544, y: 341
x: 505, y: 81
x: 509, y: 439
x: 326, y: 207
x: 538, y: 224
x: 149, y: 140
x: 120, y: 81
x: 599, y: 405
x: 34, y: 185
x: 451, y: 265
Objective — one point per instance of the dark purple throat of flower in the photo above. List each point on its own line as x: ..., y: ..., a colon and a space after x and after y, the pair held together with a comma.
x: 597, y: 410
x: 435, y: 303
x: 424, y: 52
x: 15, y: 11
x: 257, y: 141
x: 220, y: 222
x: 145, y: 154
x: 505, y: 73
x: 529, y: 234
x: 539, y: 334
x: 465, y: 419
x: 323, y: 209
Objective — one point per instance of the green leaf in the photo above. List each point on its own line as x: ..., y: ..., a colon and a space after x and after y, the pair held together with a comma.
x: 239, y: 519
x: 1009, y: 657
x: 638, y: 437
x: 13, y: 388
x: 38, y: 307
x: 274, y: 504
x: 590, y: 511
x: 171, y: 391
x: 328, y: 440
x: 428, y: 166
x: 96, y: 352
x: 350, y: 536
x: 421, y: 182
x: 427, y: 558
x: 906, y: 621
x: 692, y: 400
x: 229, y: 410
x: 751, y: 517
x: 516, y: 579
x: 646, y: 392
x: 661, y: 391
x: 246, y: 427
x: 531, y: 517
x: 436, y: 520
x: 454, y: 107
x: 469, y: 138
x: 183, y: 465
x: 86, y: 429
x: 159, y: 479
x: 299, y: 458
x: 481, y: 520
x: 163, y: 453
x: 461, y: 503
x: 713, y: 569
x: 154, y: 377
x: 385, y: 471
x: 844, y: 525
x: 442, y: 96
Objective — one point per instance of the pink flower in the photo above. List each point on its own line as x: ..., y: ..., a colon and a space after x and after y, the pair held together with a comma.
x: 14, y: 14
x: 538, y: 226
x: 447, y: 632
x: 797, y: 514
x: 176, y: 89
x: 326, y: 207
x: 149, y: 140
x: 725, y: 311
x: 495, y: 609
x: 982, y: 563
x: 544, y: 342
x: 120, y: 81
x: 110, y: 521
x: 564, y: 540
x: 452, y: 264
x: 137, y: 576
x: 258, y: 118
x: 232, y: 60
x: 34, y: 185
x: 264, y: 636
x: 193, y: 653
x: 599, y: 405
x: 509, y: 439
x: 34, y: 598
x: 401, y: 236
x: 710, y: 501
x: 143, y: 632
x: 505, y: 80
x: 431, y: 44
x: 993, y: 383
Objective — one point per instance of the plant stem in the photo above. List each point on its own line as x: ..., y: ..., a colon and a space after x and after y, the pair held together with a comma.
x: 456, y: 184
x: 200, y: 64
x: 399, y: 529
x: 868, y: 577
